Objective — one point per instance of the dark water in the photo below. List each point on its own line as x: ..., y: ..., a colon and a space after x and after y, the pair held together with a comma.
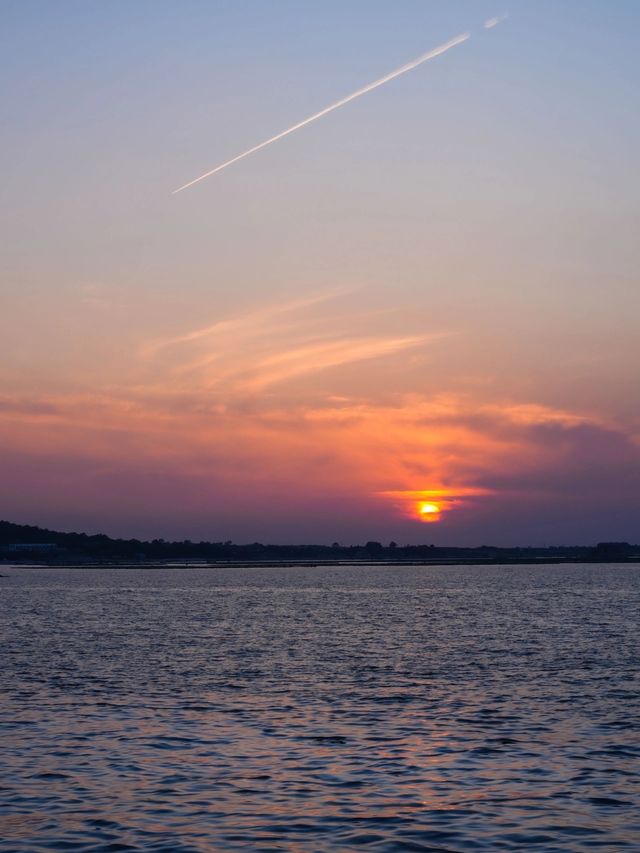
x: 313, y: 709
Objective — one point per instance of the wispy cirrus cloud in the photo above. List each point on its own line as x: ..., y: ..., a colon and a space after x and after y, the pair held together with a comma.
x: 250, y: 353
x: 250, y: 324
x: 313, y: 358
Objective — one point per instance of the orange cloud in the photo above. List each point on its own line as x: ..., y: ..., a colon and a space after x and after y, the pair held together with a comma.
x: 403, y: 455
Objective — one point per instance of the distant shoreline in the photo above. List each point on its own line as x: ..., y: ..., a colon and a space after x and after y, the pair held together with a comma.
x: 27, y: 544
x: 313, y: 564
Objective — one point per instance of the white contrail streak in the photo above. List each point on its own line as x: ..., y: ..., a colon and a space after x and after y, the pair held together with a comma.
x: 493, y: 22
x: 437, y: 51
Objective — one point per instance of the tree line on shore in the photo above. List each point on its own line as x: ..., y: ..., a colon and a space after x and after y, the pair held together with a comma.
x: 20, y: 542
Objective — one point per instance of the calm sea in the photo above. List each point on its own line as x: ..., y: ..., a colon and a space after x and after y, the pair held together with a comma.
x: 316, y: 709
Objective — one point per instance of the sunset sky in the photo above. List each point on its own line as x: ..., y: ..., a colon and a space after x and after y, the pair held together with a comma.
x: 415, y: 319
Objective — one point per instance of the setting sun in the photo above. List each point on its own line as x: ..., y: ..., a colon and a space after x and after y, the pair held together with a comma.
x: 432, y: 505
x: 429, y: 511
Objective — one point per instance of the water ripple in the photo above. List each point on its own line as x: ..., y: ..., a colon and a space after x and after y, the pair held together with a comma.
x: 415, y: 708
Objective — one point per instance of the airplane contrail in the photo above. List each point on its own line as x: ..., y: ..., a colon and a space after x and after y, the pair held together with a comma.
x: 490, y: 23
x: 437, y: 51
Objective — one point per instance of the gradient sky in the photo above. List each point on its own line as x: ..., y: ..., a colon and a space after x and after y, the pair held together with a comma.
x: 430, y: 295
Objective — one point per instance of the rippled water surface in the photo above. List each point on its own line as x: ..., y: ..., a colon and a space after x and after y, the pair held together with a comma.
x: 313, y: 709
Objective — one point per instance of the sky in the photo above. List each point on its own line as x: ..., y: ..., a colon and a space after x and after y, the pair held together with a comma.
x: 413, y: 319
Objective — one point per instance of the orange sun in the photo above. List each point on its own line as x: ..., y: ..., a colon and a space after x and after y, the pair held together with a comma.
x: 429, y: 511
